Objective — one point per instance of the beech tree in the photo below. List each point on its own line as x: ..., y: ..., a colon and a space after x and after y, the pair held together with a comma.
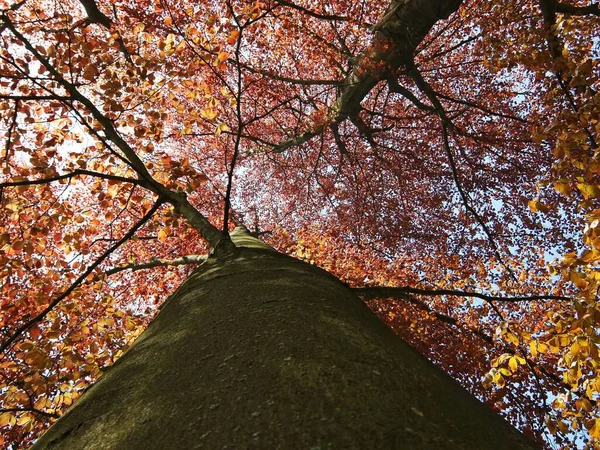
x: 162, y: 160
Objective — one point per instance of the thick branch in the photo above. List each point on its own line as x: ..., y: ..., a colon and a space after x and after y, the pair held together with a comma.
x: 300, y: 139
x: 397, y: 88
x: 11, y: 129
x: 94, y: 14
x: 184, y: 208
x: 13, y: 7
x: 109, y: 129
x: 396, y: 36
x: 370, y: 293
x: 97, y: 16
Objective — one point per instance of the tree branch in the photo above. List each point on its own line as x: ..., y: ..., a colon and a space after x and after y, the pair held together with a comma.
x: 481, y: 334
x: 97, y: 16
x: 297, y: 81
x: 27, y: 325
x: 396, y: 37
x: 482, y: 108
x: 397, y: 88
x: 76, y: 173
x: 372, y: 292
x: 34, y: 97
x: 32, y: 410
x: 11, y: 129
x: 183, y: 260
x: 182, y: 205
x: 549, y: 9
x: 311, y: 13
x: 94, y: 14
x: 426, y: 88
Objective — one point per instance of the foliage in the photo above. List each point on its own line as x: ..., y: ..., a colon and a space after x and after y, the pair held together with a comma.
x: 440, y: 156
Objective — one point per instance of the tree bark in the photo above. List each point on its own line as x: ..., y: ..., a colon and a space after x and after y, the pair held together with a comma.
x: 265, y: 351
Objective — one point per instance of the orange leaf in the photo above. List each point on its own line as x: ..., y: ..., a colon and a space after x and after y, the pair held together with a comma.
x: 233, y: 37
x: 162, y: 235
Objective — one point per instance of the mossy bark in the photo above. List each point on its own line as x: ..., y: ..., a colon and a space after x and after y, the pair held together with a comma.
x: 265, y: 351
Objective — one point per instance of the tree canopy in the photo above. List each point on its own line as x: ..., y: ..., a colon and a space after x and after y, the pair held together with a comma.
x: 439, y: 156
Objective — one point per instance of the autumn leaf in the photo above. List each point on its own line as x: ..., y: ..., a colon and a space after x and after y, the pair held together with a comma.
x: 209, y: 114
x: 233, y: 37
x: 593, y: 427
x: 221, y: 128
x: 577, y: 280
x: 537, y: 206
x: 163, y: 234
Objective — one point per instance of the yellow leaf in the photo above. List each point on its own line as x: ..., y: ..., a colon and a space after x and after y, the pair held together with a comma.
x: 588, y: 190
x: 500, y: 381
x: 585, y: 404
x: 37, y: 358
x: 563, y: 427
x: 181, y: 46
x: 537, y: 206
x: 504, y: 371
x: 168, y: 21
x: 162, y: 235
x: 512, y: 338
x: 26, y: 345
x: 551, y: 426
x: 221, y: 128
x: 563, y: 187
x: 24, y: 419
x: 577, y: 280
x: 575, y: 348
x: 7, y: 419
x: 129, y: 324
x: 209, y: 113
x: 40, y: 402
x: 533, y: 348
x: 512, y: 363
x: 593, y: 427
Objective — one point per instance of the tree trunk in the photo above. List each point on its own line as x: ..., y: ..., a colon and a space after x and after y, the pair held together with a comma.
x: 265, y: 351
